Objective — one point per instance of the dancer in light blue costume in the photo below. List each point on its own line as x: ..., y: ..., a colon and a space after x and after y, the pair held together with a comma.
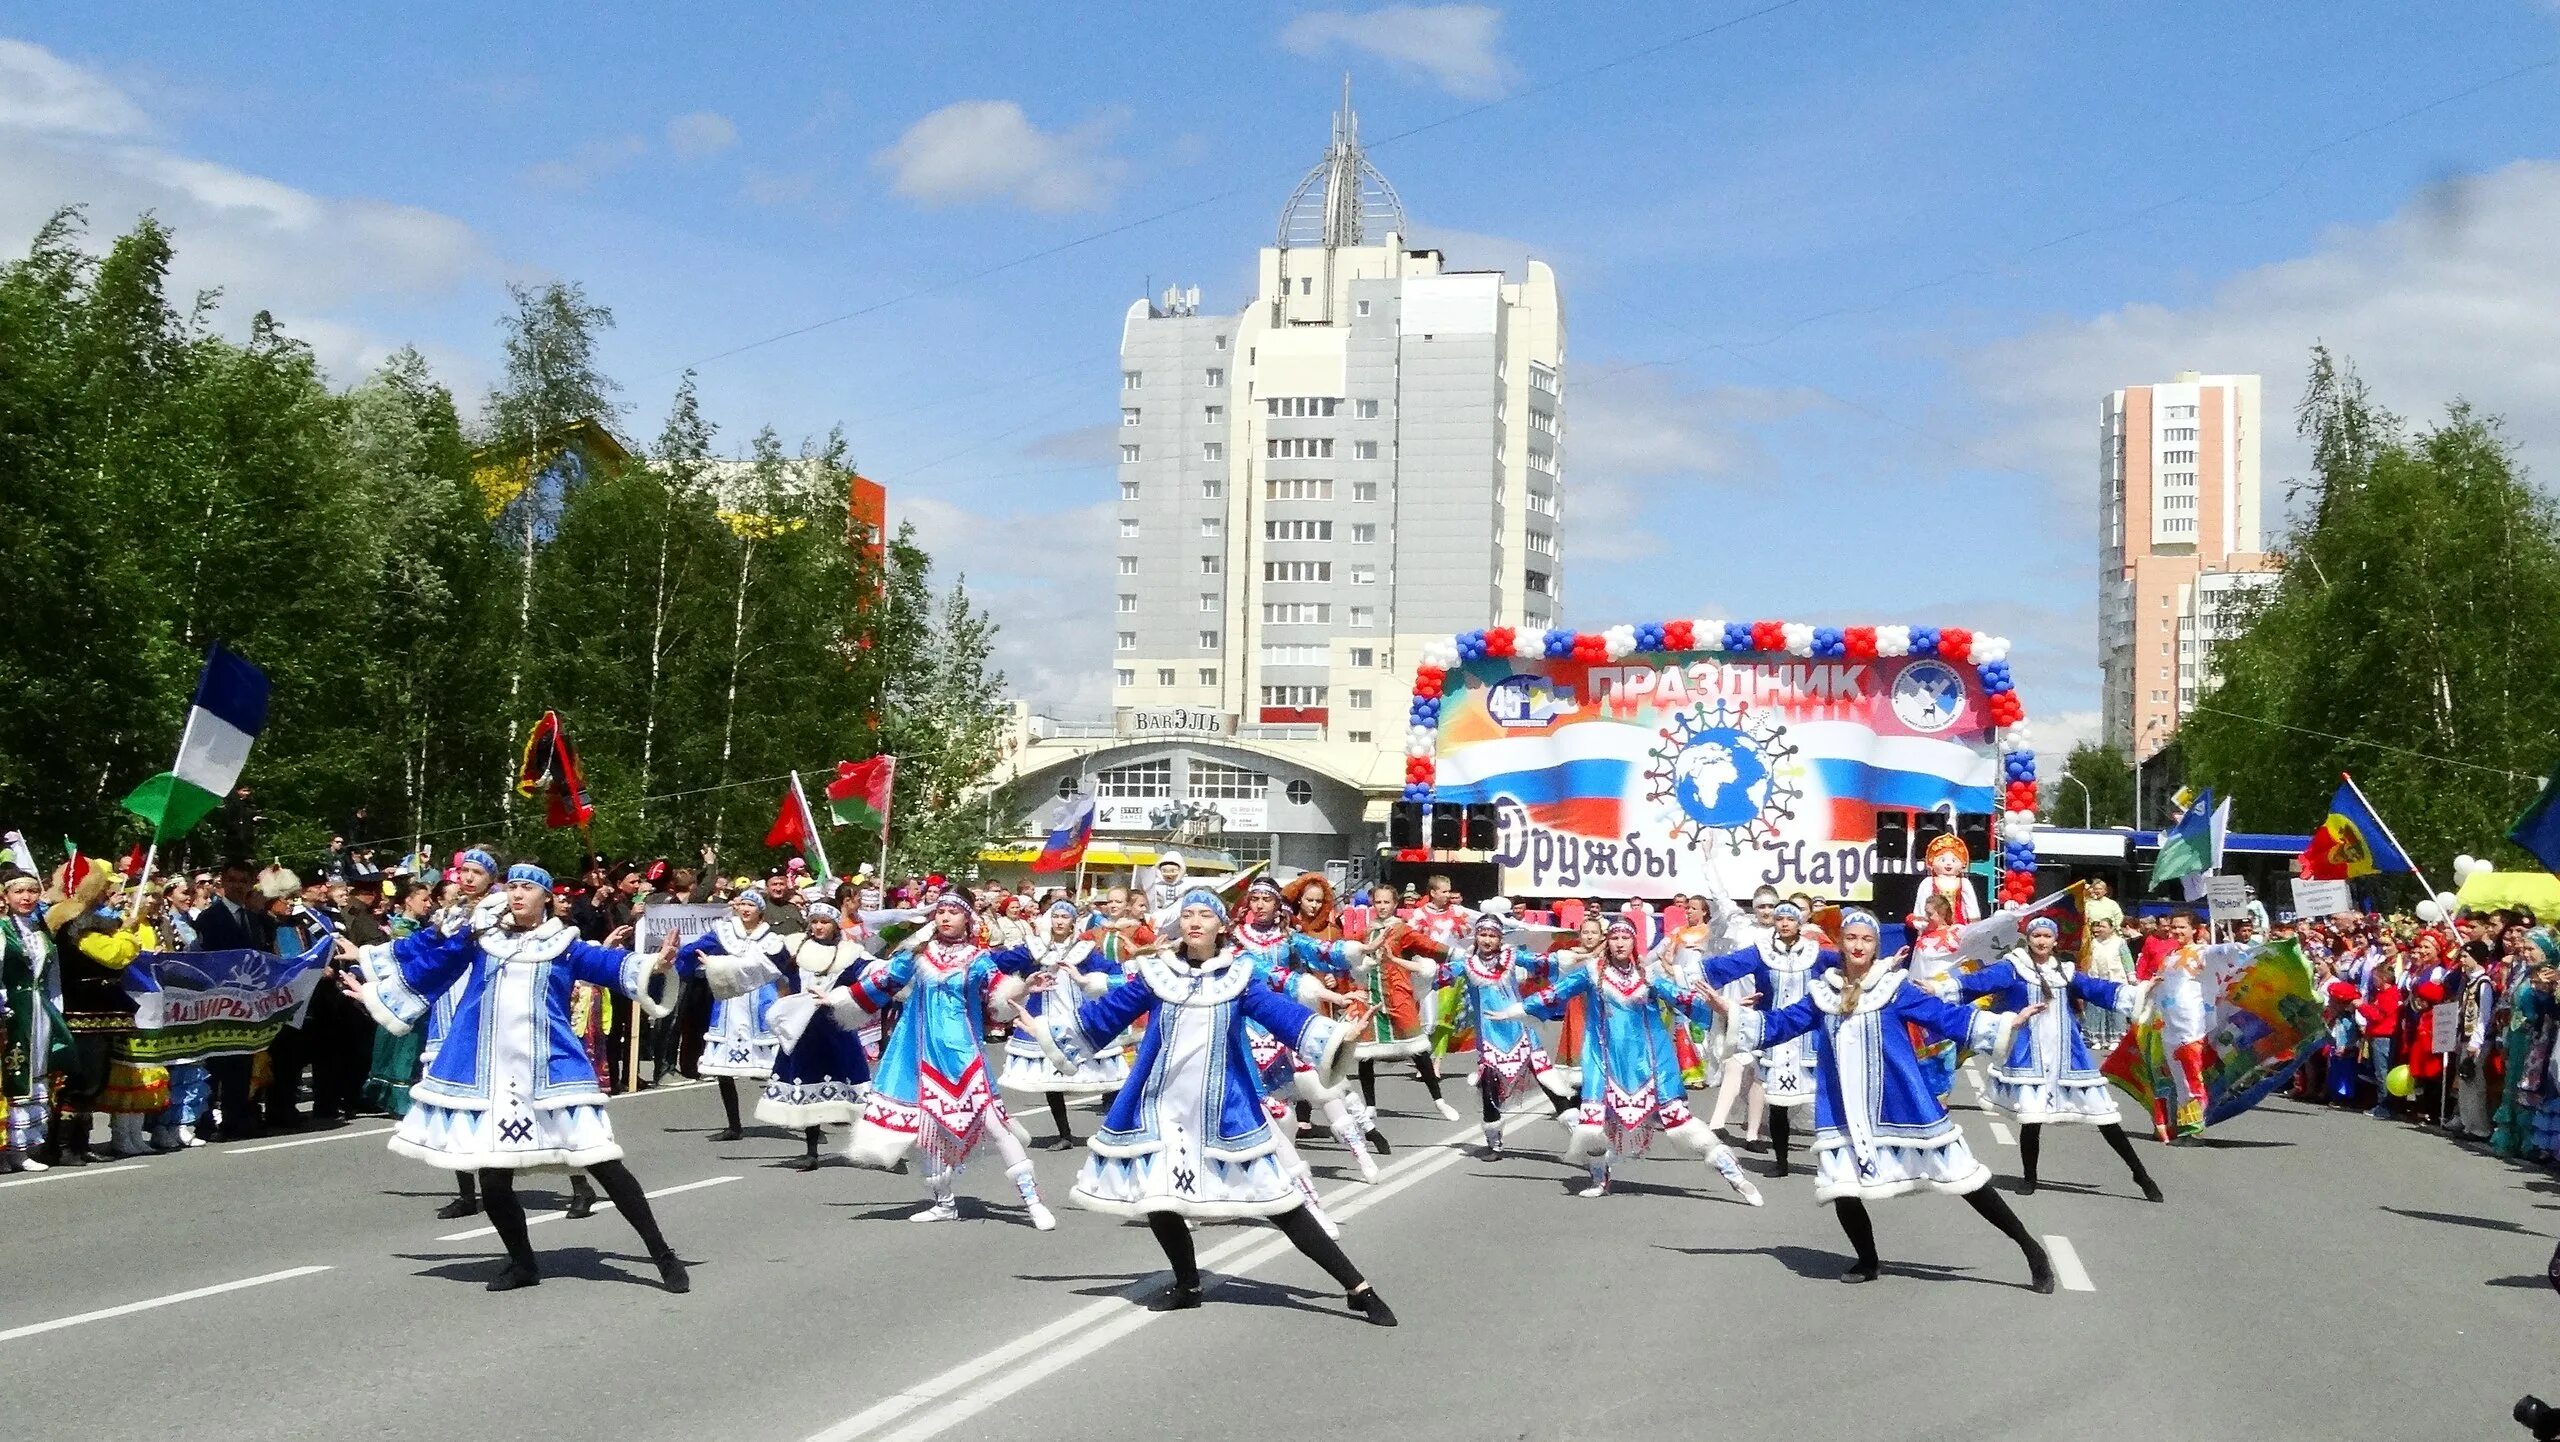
x: 930, y: 1090
x: 1311, y: 971
x: 1878, y: 1129
x: 742, y: 958
x: 474, y: 906
x: 512, y: 1089
x: 1631, y: 1087
x: 821, y: 1071
x: 1777, y: 967
x: 1079, y: 969
x: 2047, y: 1075
x: 1510, y: 1057
x: 1189, y: 1135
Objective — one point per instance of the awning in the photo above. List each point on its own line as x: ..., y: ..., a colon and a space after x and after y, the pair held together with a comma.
x: 1111, y: 856
x: 2489, y: 890
x: 1376, y: 812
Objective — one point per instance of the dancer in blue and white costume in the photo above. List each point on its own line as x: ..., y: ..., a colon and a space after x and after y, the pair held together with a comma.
x: 512, y: 1089
x: 1300, y: 966
x: 1777, y: 969
x: 2047, y: 1076
x: 1879, y: 1131
x: 930, y: 1090
x: 1079, y: 969
x: 1631, y: 1087
x: 1511, y: 1059
x: 474, y: 904
x: 821, y: 1071
x: 742, y: 957
x: 1189, y: 1135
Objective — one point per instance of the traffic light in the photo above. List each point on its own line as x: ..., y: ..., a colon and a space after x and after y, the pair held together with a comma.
x: 1448, y: 827
x: 1484, y: 827
x: 1404, y: 825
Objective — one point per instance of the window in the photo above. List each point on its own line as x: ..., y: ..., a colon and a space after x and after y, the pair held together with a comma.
x: 1297, y: 490
x: 1209, y: 526
x: 1128, y: 490
x: 1364, y: 534
x: 1300, y: 405
x: 1364, y: 490
x: 1214, y: 415
x: 1208, y: 640
x: 1297, y: 570
x: 1541, y: 544
x: 1140, y: 780
x: 1359, y: 700
x: 1301, y: 793
x: 1365, y: 410
x: 1067, y: 786
x: 1306, y: 285
x: 1217, y: 377
x: 1298, y: 448
x: 1209, y: 602
x: 1293, y: 695
x: 1359, y: 307
x: 1534, y: 582
x: 1364, y: 575
x: 1123, y: 676
x: 2178, y: 433
x: 1364, y: 615
x: 1128, y: 565
x: 2164, y: 601
x: 1315, y: 655
x: 1132, y: 380
x: 1216, y: 781
x: 1541, y: 504
x: 1212, y: 487
x: 1221, y: 342
x: 1297, y: 530
x: 1164, y: 675
x: 1128, y: 641
x: 1364, y: 450
x: 1211, y: 565
x: 1128, y: 415
x: 2177, y: 478
x: 1296, y: 613
x: 1363, y: 657
x: 1538, y: 460
x: 1542, y: 420
x: 1208, y: 675
x: 1128, y: 528
x: 2178, y: 413
x: 1542, y: 379
x: 1358, y: 738
x: 1213, y: 451
x: 1128, y: 604
x: 2177, y: 458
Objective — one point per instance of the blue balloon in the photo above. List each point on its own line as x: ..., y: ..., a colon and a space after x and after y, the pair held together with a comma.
x: 1924, y: 640
x: 1737, y: 636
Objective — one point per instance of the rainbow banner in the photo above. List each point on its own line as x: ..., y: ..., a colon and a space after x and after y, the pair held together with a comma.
x: 2266, y: 1019
x: 1684, y: 771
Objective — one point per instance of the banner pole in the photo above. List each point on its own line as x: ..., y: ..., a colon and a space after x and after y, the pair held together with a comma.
x: 888, y: 800
x: 2376, y: 813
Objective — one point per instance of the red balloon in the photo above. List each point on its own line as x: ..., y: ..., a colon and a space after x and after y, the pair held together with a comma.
x: 1497, y: 642
x: 1955, y: 644
x: 1680, y: 636
x: 1859, y: 642
x: 1768, y: 636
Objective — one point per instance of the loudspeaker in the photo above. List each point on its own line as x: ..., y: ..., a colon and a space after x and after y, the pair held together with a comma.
x: 1894, y: 892
x: 1404, y: 825
x: 1927, y: 826
x: 1448, y: 828
x: 1973, y: 828
x: 1484, y: 827
x: 1893, y: 838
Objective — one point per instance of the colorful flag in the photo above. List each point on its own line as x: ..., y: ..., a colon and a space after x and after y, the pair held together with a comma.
x: 2353, y: 842
x: 796, y: 828
x: 859, y: 796
x: 550, y: 766
x: 2538, y: 830
x: 2266, y: 1017
x: 1069, y: 835
x: 229, y: 711
x: 2187, y: 847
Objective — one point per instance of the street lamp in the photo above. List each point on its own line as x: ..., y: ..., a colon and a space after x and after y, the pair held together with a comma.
x: 2085, y: 811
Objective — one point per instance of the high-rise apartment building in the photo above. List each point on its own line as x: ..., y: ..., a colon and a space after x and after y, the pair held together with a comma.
x: 2179, y: 533
x: 1366, y: 456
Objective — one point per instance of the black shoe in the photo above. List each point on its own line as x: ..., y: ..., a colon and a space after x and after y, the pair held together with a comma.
x: 1305, y: 1131
x: 458, y: 1207
x: 2040, y: 1274
x: 2026, y: 1186
x: 1860, y: 1272
x: 808, y: 1163
x: 2151, y: 1191
x: 1778, y: 1167
x: 582, y: 1205
x: 1176, y: 1298
x: 513, y: 1275
x: 1378, y: 1143
x: 1368, y: 1302
x: 672, y: 1275
x: 1065, y: 1142
x: 729, y: 1134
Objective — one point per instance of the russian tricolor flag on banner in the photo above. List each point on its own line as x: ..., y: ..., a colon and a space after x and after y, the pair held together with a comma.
x: 230, y: 710
x: 1068, y: 836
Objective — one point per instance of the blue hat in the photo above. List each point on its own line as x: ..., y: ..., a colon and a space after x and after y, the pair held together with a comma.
x: 1857, y: 917
x: 523, y: 871
x: 2044, y: 923
x: 821, y: 911
x: 1203, y: 896
x: 956, y: 901
x: 1062, y: 907
x: 751, y: 897
x: 1491, y: 921
x: 482, y: 859
x: 1787, y: 909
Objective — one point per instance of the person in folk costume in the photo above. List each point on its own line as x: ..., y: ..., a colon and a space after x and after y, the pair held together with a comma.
x: 2047, y: 1076
x: 742, y: 957
x: 1776, y: 972
x: 2529, y: 1007
x: 1191, y: 1135
x: 930, y: 1090
x: 1738, y: 1078
x: 38, y: 1041
x: 2430, y: 985
x: 821, y: 1070
x: 2183, y: 993
x: 1568, y: 953
x: 1081, y: 969
x: 1313, y: 910
x: 1510, y: 1058
x: 1165, y: 890
x: 511, y: 1089
x: 1403, y: 1005
x: 1878, y: 1130
x: 93, y: 946
x: 1319, y: 973
x: 1936, y: 950
x: 2477, y: 997
x: 1631, y: 1088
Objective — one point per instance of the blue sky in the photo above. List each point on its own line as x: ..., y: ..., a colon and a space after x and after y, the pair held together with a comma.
x: 1843, y: 281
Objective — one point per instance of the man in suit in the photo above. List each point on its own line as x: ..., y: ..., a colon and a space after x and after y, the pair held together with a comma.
x: 235, y: 920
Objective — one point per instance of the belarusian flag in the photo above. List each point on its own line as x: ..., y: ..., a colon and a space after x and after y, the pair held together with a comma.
x: 859, y: 796
x: 797, y: 829
x: 230, y: 710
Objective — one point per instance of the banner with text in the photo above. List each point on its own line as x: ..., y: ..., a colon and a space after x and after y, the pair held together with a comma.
x: 190, y: 1005
x: 1688, y: 771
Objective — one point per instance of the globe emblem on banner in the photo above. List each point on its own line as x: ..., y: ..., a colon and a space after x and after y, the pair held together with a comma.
x: 1716, y: 774
x: 1928, y: 696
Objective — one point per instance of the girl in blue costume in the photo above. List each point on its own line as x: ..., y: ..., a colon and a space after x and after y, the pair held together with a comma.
x: 742, y: 957
x: 1631, y: 1087
x: 1510, y: 1057
x: 1299, y: 965
x: 1779, y: 966
x: 1879, y: 1130
x: 2047, y: 1076
x: 930, y: 1090
x: 1081, y: 969
x: 512, y: 1089
x: 473, y: 904
x: 1189, y: 1135
x: 821, y: 1072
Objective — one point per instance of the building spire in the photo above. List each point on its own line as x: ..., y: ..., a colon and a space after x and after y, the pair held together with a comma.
x: 1343, y: 200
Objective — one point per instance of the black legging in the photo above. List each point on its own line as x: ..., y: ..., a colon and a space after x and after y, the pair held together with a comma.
x: 729, y: 1101
x: 1986, y: 1203
x: 2031, y: 1142
x: 1778, y: 1135
x: 1298, y: 1225
x: 1422, y: 1067
x: 506, y: 1213
x: 1492, y: 1108
x: 1058, y: 1114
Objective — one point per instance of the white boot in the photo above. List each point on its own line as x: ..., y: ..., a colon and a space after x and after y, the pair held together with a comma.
x: 187, y: 1136
x: 1348, y: 1133
x: 1722, y: 1160
x: 942, y: 1208
x: 1446, y: 1110
x: 1029, y: 1185
x: 1493, y: 1139
x: 1599, y: 1175
x: 1315, y: 1207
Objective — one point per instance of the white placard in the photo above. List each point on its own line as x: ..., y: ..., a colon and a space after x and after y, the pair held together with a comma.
x: 2444, y: 1021
x: 2321, y: 898
x: 686, y: 920
x: 2227, y: 898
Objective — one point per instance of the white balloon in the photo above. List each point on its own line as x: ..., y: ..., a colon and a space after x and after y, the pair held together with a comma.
x: 2462, y: 864
x: 2448, y: 903
x: 2429, y: 912
x: 2482, y: 866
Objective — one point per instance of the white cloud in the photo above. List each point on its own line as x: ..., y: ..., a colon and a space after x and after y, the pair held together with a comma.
x: 978, y: 150
x: 590, y: 162
x: 2454, y: 296
x: 1038, y: 575
x: 701, y: 134
x: 1456, y: 47
x: 1476, y: 250
x: 1636, y: 424
x: 44, y: 93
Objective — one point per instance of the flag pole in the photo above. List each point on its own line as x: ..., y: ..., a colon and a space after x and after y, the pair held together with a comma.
x: 2376, y: 813
x: 809, y: 821
x: 888, y: 799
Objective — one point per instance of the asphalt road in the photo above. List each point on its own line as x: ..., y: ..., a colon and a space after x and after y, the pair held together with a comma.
x: 2313, y: 1275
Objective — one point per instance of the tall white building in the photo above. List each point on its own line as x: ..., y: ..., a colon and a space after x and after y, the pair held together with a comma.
x: 1366, y: 456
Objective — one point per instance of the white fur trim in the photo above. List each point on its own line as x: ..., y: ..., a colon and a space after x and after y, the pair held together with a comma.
x: 371, y: 995
x: 732, y: 977
x: 651, y: 1007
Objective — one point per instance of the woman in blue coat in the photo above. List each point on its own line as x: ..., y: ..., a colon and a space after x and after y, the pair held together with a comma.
x: 1189, y: 1135
x: 743, y: 957
x: 2047, y: 1076
x: 1879, y: 1129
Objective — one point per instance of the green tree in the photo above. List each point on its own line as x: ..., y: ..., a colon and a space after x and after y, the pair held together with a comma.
x: 2108, y: 796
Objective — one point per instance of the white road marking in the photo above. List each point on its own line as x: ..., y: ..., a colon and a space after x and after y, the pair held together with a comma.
x: 129, y: 1308
x: 680, y: 1086
x: 603, y: 1204
x: 2066, y: 1265
x: 307, y: 1141
x: 57, y: 1174
x: 2000, y: 1133
x: 1090, y: 1329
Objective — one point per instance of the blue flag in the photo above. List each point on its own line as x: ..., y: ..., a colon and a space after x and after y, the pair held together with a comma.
x: 2538, y: 830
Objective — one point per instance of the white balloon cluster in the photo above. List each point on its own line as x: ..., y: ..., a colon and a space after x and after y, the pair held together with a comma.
x: 2467, y: 867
